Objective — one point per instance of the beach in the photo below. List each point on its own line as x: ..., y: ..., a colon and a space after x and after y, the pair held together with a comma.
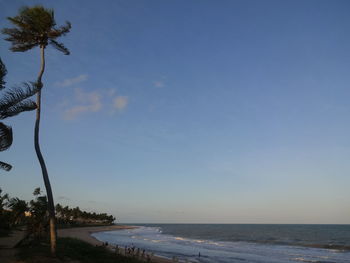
x: 84, y: 234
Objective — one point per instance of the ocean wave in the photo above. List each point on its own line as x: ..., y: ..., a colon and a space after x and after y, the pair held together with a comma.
x: 180, y: 238
x: 156, y: 240
x: 312, y: 260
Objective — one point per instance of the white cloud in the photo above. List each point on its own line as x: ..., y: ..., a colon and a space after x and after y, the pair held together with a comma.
x: 120, y: 102
x: 88, y: 102
x: 72, y: 81
x: 159, y: 84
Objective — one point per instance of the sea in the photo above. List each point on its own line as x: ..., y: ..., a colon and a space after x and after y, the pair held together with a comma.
x: 243, y: 243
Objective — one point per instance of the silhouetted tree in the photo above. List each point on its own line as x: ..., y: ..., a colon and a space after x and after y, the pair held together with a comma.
x: 36, y: 27
x: 68, y: 215
x: 12, y: 102
x: 18, y: 207
x: 4, y: 214
x: 38, y: 220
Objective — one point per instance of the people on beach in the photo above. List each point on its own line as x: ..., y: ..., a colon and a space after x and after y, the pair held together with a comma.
x: 136, y: 252
x: 116, y: 249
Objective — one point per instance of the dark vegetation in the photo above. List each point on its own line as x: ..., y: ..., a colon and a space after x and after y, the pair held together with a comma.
x: 74, y: 216
x: 33, y: 215
x: 69, y: 250
x: 34, y: 218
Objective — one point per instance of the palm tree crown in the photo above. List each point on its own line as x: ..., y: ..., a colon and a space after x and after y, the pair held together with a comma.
x: 35, y: 26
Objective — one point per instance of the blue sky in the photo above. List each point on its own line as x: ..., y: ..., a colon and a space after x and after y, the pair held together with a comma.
x: 191, y: 111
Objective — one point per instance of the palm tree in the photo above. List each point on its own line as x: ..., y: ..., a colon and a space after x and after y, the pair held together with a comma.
x: 18, y: 207
x: 36, y: 27
x: 5, y: 131
x: 12, y: 102
x: 38, y: 208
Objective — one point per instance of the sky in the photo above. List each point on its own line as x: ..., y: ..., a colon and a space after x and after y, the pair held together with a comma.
x: 190, y: 111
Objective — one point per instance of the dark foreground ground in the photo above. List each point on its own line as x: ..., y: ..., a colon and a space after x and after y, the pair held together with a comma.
x: 69, y: 250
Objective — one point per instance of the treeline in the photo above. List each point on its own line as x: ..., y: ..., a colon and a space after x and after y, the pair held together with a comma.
x: 66, y: 215
x: 34, y: 215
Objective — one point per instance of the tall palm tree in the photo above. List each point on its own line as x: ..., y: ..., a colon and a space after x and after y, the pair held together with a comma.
x: 36, y: 27
x: 12, y: 102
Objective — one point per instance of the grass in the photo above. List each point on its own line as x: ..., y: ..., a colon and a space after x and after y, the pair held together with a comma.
x: 70, y: 250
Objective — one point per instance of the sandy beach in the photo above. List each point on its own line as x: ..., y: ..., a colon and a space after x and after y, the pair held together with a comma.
x: 84, y: 233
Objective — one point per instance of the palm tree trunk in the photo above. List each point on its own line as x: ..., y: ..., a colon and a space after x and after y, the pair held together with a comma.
x: 51, y: 206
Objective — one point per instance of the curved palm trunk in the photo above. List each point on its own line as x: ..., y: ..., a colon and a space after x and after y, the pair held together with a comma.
x: 51, y: 206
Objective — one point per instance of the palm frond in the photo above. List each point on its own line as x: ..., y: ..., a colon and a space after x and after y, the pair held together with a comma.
x: 26, y: 105
x: 3, y: 73
x: 18, y: 21
x: 59, y: 47
x: 6, y: 137
x: 22, y: 47
x: 17, y: 94
x: 21, y: 40
x: 61, y: 31
x: 5, y: 166
x: 19, y: 36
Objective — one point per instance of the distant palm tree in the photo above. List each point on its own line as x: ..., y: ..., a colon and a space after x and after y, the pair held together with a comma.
x: 18, y: 207
x: 38, y: 208
x: 36, y: 26
x: 12, y: 102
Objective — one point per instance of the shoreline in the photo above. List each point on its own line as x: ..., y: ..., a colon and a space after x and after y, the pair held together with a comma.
x: 84, y: 234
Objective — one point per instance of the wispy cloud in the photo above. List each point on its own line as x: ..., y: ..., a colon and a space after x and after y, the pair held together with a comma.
x: 72, y: 81
x: 159, y: 84
x: 84, y: 102
x: 87, y: 102
x: 120, y: 102
x: 62, y: 197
